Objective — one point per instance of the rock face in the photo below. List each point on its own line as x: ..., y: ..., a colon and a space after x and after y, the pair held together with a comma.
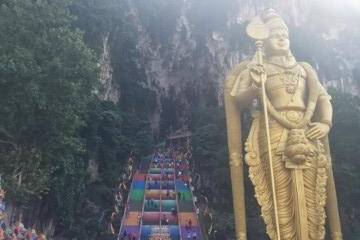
x: 108, y: 91
x: 180, y: 51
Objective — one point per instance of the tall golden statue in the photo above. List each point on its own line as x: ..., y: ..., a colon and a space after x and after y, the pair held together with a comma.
x: 287, y: 148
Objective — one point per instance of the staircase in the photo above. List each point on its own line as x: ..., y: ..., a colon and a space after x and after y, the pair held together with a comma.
x: 160, y: 203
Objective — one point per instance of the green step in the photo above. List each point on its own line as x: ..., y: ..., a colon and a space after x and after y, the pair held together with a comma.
x: 185, y: 196
x: 168, y: 205
x: 137, y: 195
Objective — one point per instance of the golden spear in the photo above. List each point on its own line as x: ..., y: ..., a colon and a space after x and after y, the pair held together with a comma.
x: 258, y: 31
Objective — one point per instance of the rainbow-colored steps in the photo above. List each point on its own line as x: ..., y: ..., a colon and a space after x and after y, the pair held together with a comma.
x: 160, y: 204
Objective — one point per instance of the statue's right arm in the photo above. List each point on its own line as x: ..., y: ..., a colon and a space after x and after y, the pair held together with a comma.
x: 244, y: 90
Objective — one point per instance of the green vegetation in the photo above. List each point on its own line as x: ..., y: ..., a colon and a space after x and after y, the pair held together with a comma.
x: 52, y: 125
x: 46, y: 75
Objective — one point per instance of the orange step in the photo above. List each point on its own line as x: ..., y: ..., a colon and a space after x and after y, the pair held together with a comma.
x: 185, y: 216
x: 132, y: 219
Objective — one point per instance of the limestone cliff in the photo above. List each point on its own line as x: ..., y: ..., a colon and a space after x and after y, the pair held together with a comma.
x: 180, y: 51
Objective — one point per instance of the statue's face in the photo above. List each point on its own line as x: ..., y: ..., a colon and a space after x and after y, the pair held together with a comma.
x: 278, y: 42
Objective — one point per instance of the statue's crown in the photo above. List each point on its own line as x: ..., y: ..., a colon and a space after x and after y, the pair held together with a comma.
x: 273, y: 20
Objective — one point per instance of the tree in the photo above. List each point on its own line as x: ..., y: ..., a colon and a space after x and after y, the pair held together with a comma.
x: 47, y: 75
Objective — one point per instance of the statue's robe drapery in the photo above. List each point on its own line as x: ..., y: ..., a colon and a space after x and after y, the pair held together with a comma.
x: 314, y: 169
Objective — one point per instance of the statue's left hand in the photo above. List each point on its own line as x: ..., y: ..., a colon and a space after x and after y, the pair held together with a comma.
x: 317, y: 130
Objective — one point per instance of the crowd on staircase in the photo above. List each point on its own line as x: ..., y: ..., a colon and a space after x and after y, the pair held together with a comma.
x: 161, y: 204
x: 16, y: 230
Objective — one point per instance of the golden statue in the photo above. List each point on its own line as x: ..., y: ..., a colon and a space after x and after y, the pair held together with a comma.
x: 287, y: 148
